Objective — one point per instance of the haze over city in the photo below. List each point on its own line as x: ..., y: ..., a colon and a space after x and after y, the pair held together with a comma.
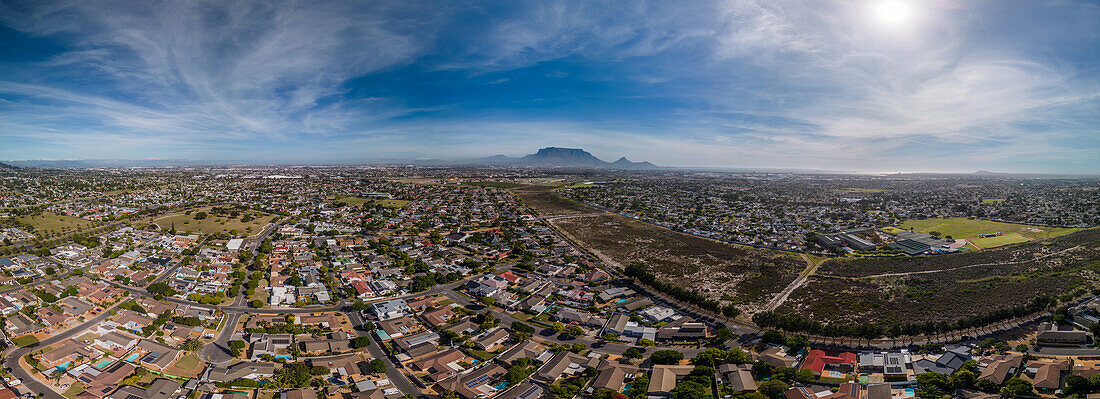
x: 869, y: 86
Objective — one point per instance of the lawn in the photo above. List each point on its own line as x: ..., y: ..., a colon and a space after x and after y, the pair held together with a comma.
x: 989, y: 242
x: 24, y: 340
x: 970, y: 228
x: 389, y: 203
x: 891, y: 229
x: 48, y: 221
x: 74, y: 389
x: 213, y: 223
x: 480, y: 354
x: 992, y: 200
x: 187, y: 366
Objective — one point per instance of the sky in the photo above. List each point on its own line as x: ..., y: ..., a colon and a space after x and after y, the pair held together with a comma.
x: 854, y: 85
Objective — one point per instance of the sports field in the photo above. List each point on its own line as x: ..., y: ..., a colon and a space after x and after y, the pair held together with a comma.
x: 989, y: 242
x: 971, y: 228
x: 992, y: 200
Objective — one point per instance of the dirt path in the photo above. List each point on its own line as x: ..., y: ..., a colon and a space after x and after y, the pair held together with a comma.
x: 584, y: 215
x: 811, y: 268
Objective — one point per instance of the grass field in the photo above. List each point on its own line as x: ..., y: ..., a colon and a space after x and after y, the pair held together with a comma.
x: 992, y: 200
x: 389, y: 203
x: 970, y: 228
x: 989, y: 242
x: 580, y: 185
x: 891, y: 229
x: 49, y: 221
x: 24, y: 340
x: 212, y: 224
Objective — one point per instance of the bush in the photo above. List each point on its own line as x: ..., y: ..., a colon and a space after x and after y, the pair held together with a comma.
x: 667, y: 356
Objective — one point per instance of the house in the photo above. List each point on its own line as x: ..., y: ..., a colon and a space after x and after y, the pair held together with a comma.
x: 345, y: 365
x: 664, y: 378
x: 102, y: 382
x: 487, y: 285
x: 391, y: 309
x: 477, y: 383
x: 400, y: 327
x: 563, y: 363
x: 115, y: 341
x: 799, y: 393
x: 160, y: 388
x: 613, y: 376
x: 442, y: 365
x: 997, y: 369
x: 68, y: 351
x: 1051, y: 334
x: 738, y: 375
x: 20, y: 324
x: 242, y: 370
x: 528, y: 349
x: 817, y: 360
x: 1046, y: 376
x: 576, y: 316
x: 774, y: 357
x: 157, y: 356
x: 492, y: 340
x: 895, y: 365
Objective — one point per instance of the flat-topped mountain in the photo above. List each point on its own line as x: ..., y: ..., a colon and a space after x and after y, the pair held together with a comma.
x: 562, y: 157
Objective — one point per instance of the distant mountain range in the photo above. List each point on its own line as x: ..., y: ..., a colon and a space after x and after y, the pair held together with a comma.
x: 560, y: 158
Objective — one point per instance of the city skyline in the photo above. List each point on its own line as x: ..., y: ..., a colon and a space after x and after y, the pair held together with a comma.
x: 868, y: 86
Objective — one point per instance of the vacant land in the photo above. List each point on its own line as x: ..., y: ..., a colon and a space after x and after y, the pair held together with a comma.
x: 185, y: 222
x: 992, y: 200
x: 497, y: 184
x: 387, y: 203
x: 890, y: 291
x: 544, y: 201
x: 970, y: 228
x: 48, y: 221
x: 744, y: 275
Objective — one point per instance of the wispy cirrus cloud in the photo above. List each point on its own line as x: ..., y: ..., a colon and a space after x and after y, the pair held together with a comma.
x: 807, y: 84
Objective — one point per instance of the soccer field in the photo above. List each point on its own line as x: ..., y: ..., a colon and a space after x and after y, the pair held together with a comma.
x: 971, y: 228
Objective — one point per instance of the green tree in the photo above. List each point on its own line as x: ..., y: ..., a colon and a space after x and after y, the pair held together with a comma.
x: 933, y: 385
x: 1017, y: 386
x: 772, y: 388
x: 377, y: 366
x: 191, y: 345
x: 667, y: 356
x: 1077, y: 385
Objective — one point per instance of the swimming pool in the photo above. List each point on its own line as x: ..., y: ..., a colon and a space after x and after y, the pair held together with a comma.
x: 287, y: 357
x: 132, y: 357
x: 620, y: 300
x: 502, y: 385
x: 64, y: 366
x: 909, y: 392
x: 627, y: 388
x: 103, y: 364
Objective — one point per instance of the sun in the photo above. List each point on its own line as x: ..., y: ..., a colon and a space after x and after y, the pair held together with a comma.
x: 893, y: 12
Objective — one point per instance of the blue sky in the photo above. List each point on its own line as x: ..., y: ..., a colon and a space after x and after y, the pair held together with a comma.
x: 860, y: 85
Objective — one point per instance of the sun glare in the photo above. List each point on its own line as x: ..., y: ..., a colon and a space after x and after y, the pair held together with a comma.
x: 892, y: 12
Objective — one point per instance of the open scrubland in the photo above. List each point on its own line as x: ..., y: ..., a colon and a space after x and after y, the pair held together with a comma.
x: 737, y: 274
x: 946, y: 288
x: 546, y: 202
